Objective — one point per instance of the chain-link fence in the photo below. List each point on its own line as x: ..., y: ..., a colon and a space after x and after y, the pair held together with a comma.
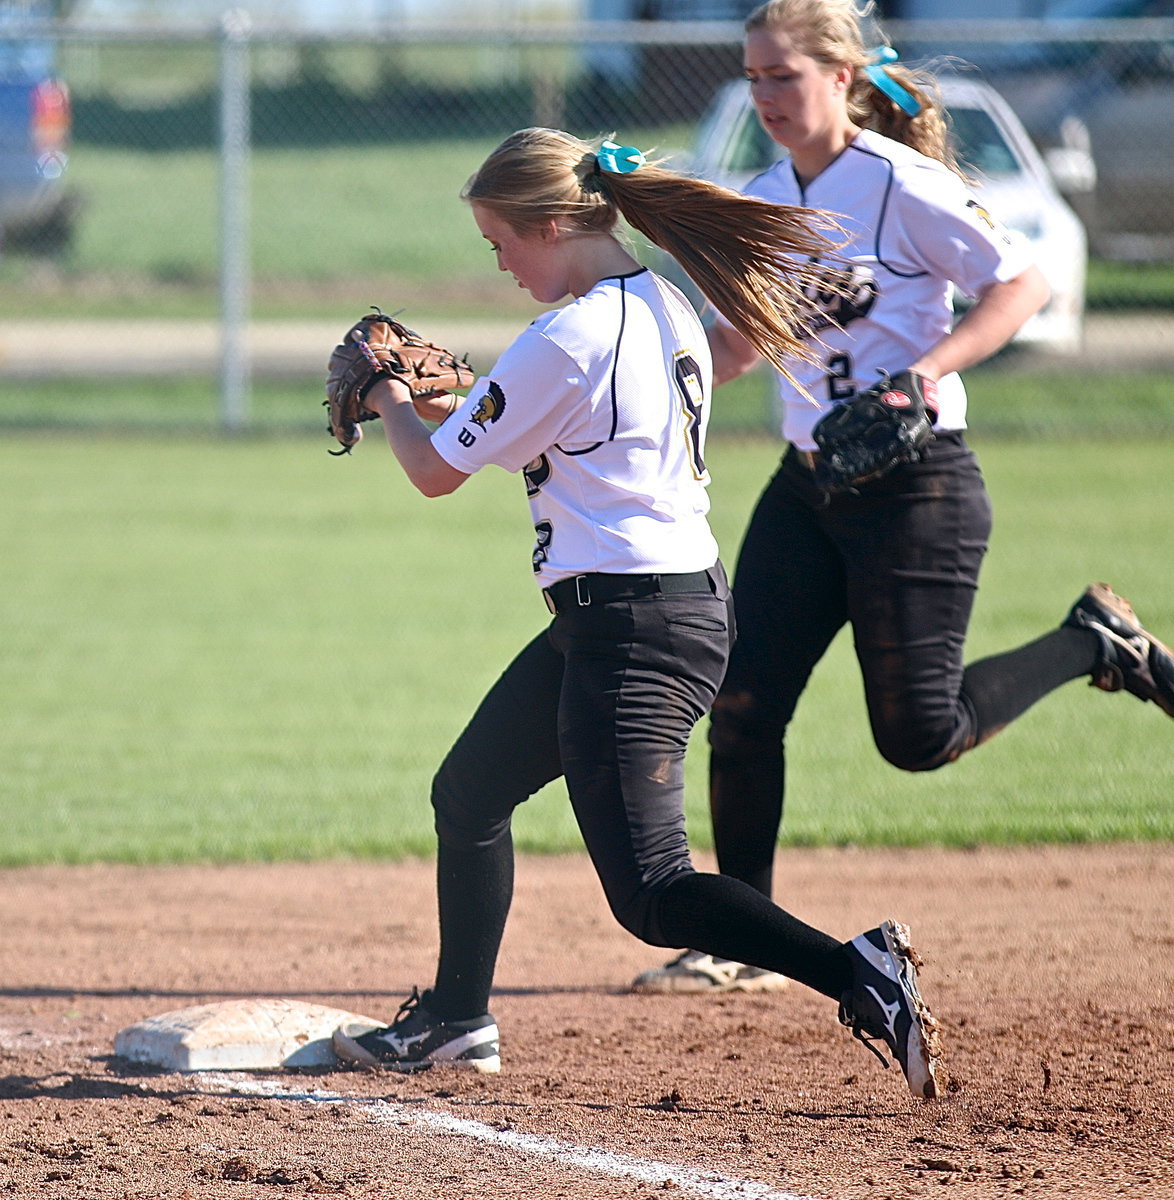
x: 243, y: 172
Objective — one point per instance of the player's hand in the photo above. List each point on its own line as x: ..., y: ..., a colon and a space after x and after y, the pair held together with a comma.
x: 386, y: 392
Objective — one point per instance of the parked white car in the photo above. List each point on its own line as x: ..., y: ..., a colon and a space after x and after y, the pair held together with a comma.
x: 1013, y: 182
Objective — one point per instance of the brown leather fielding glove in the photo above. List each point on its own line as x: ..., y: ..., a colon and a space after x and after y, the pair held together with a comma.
x: 377, y: 346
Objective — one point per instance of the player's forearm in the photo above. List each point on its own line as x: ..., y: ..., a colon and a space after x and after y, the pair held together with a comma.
x: 732, y: 354
x: 1000, y: 312
x: 410, y: 440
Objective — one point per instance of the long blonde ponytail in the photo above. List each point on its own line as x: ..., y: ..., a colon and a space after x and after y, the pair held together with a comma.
x: 752, y: 260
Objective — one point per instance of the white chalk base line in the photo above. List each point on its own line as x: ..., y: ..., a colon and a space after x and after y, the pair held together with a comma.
x: 710, y: 1184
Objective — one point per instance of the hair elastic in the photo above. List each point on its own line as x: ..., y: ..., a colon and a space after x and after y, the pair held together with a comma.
x: 882, y: 81
x: 619, y: 160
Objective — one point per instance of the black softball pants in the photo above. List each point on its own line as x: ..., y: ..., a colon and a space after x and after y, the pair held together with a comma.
x: 606, y: 696
x: 900, y: 562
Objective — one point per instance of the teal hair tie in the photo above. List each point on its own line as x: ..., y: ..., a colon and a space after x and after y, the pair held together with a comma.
x: 619, y: 160
x: 882, y: 81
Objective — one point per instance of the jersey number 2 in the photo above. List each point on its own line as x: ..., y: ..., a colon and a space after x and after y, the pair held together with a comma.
x: 839, y: 376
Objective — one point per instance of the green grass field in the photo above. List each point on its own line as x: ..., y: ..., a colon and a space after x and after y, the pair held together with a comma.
x: 1015, y: 396
x: 326, y: 221
x: 1022, y: 402
x: 223, y: 649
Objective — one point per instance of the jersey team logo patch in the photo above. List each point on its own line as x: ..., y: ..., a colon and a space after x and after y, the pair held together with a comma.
x: 982, y: 214
x: 489, y: 407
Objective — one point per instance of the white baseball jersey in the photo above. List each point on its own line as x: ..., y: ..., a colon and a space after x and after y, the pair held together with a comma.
x: 603, y: 406
x: 914, y: 229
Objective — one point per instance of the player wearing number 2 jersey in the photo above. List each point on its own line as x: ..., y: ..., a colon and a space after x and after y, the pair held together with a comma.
x: 914, y: 231
x: 898, y: 559
x: 602, y: 406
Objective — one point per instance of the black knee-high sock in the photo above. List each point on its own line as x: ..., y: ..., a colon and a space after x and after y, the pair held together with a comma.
x: 746, y: 807
x: 474, y: 891
x: 730, y: 919
x: 1005, y: 686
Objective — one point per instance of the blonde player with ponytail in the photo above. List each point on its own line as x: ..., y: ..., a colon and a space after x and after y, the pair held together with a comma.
x: 601, y: 406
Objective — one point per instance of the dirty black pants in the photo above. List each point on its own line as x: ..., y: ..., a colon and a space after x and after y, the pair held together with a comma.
x: 606, y: 696
x: 900, y: 562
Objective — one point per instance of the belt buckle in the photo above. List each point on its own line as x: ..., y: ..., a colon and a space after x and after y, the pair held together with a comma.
x: 582, y: 591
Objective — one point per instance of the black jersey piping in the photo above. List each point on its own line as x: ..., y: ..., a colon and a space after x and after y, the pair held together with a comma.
x: 615, y: 366
x: 852, y: 146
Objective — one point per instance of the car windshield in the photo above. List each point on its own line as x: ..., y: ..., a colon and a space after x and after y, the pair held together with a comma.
x: 23, y: 61
x: 26, y: 59
x: 751, y: 148
x: 979, y: 144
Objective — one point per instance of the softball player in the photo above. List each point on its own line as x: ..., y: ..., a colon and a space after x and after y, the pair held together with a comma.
x: 602, y: 406
x: 899, y: 559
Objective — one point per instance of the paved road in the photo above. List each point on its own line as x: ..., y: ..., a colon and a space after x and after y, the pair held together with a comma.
x: 31, y: 348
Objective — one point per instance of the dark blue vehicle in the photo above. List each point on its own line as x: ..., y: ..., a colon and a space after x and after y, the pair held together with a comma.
x: 34, y: 129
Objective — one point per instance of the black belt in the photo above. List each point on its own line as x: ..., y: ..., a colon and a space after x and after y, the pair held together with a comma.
x: 582, y: 590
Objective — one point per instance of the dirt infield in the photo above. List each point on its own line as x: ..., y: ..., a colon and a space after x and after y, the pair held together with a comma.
x: 1049, y: 969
